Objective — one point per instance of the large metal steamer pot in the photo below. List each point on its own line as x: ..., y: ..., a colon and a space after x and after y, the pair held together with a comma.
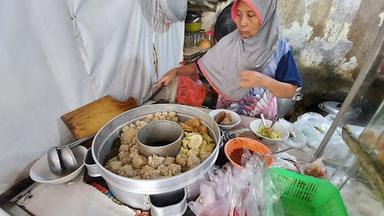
x: 136, y: 192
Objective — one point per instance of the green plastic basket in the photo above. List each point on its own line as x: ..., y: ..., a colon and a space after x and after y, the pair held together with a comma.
x: 305, y: 195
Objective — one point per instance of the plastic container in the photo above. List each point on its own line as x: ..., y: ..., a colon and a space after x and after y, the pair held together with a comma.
x: 307, y: 196
x: 210, y: 37
x: 193, y: 27
x: 251, y: 145
x: 372, y: 138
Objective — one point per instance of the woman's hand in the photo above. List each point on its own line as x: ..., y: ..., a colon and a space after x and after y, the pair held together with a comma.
x: 167, y: 77
x: 183, y: 70
x: 250, y: 79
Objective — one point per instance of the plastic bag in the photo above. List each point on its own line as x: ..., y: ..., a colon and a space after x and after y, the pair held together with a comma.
x: 296, y: 139
x: 212, y: 200
x: 286, y: 161
x: 310, y: 129
x: 242, y: 192
x: 263, y: 198
x: 190, y: 92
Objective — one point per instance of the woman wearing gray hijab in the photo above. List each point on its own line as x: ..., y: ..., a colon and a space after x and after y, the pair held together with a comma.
x: 251, y: 66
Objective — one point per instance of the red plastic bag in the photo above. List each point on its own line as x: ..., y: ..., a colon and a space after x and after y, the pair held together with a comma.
x: 190, y: 92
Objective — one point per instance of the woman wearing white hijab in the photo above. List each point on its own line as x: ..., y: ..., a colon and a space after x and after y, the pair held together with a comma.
x: 251, y: 66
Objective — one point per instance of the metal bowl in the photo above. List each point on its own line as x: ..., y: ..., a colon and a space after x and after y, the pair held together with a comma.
x: 160, y: 138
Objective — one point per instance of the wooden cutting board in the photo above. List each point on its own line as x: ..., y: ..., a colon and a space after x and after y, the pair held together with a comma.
x: 88, y: 119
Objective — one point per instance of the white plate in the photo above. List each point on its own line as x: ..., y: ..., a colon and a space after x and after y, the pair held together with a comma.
x: 235, y: 118
x: 278, y: 127
x: 40, y: 170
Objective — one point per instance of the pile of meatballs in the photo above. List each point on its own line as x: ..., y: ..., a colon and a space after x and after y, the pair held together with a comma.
x: 197, y: 145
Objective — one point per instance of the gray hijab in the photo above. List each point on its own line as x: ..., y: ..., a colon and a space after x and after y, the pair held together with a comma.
x: 223, y: 62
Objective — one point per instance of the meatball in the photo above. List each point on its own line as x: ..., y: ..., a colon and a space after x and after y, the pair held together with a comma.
x: 139, y: 161
x: 134, y: 148
x: 114, y: 165
x: 155, y: 161
x: 169, y: 161
x: 148, y: 172
x: 192, y: 161
x: 148, y: 118
x: 128, y: 135
x: 123, y: 148
x: 128, y: 171
x: 127, y: 161
x: 165, y: 114
x: 175, y: 169
x: 133, y: 155
x: 164, y: 171
x: 122, y: 155
x: 181, y: 159
x: 125, y: 128
x: 172, y: 114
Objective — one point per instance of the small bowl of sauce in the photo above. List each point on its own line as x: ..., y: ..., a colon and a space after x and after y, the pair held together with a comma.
x: 234, y: 149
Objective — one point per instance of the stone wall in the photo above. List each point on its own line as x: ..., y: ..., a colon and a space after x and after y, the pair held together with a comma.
x: 330, y: 40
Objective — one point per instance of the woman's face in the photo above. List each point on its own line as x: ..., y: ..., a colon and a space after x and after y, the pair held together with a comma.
x: 246, y: 20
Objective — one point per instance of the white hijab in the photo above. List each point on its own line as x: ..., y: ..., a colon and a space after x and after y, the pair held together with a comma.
x: 222, y: 64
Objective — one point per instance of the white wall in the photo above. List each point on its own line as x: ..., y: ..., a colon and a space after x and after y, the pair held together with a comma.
x: 42, y: 77
x: 58, y: 55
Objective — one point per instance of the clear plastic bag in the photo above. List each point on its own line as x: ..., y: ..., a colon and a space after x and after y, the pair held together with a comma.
x: 286, y: 161
x: 241, y: 192
x: 212, y: 200
x: 263, y: 197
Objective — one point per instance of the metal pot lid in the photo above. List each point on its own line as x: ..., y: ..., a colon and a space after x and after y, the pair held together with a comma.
x: 330, y: 107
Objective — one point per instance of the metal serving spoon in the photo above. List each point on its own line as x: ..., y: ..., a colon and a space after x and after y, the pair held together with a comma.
x: 61, y: 159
